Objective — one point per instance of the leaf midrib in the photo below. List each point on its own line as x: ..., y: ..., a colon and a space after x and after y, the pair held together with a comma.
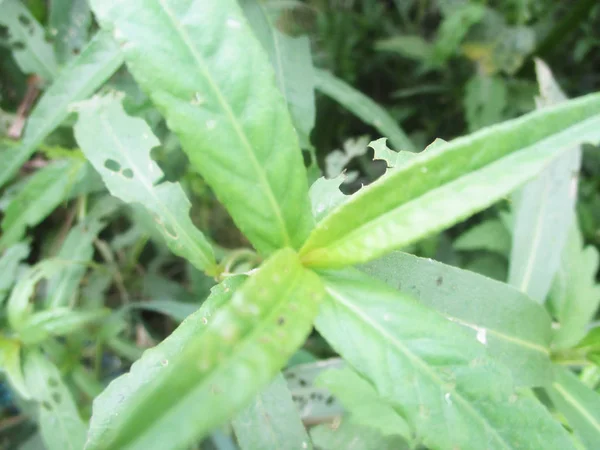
x: 181, y: 32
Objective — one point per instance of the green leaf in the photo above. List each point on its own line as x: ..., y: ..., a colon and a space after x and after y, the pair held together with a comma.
x: 349, y: 435
x: 69, y: 23
x: 98, y: 61
x: 454, y: 28
x: 26, y: 38
x: 440, y: 187
x: 292, y: 62
x: 209, y: 76
x: 490, y: 235
x: 579, y: 404
x: 10, y: 364
x: 515, y: 330
x: 43, y: 193
x: 177, y: 311
x: 9, y: 265
x: 59, y: 421
x: 575, y: 295
x: 214, y: 363
x: 409, y: 46
x: 363, y: 107
x: 544, y: 210
x: 325, y: 195
x: 271, y: 421
x: 118, y: 146
x: 435, y: 372
x: 485, y: 101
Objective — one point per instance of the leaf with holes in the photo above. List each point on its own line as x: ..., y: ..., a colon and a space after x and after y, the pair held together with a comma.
x: 515, y: 330
x: 214, y: 363
x: 206, y: 72
x: 69, y: 23
x: 436, y: 373
x: 443, y: 186
x: 26, y: 38
x: 271, y: 421
x: 119, y: 147
x: 86, y: 73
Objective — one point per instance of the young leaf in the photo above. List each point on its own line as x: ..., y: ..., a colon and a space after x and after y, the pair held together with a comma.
x: 579, y: 404
x: 213, y: 364
x: 27, y: 39
x: 9, y: 264
x: 365, y: 108
x: 515, y: 330
x: 272, y: 421
x: 10, y: 364
x: 98, y: 61
x: 44, y: 191
x: 440, y: 187
x: 209, y: 76
x: 435, y: 372
x: 70, y: 22
x: 544, y: 210
x: 59, y: 421
x: 118, y: 146
x: 292, y: 62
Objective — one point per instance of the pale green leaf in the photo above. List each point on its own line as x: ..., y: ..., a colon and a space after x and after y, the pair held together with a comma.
x: 10, y: 364
x: 579, y: 404
x: 26, y: 37
x: 9, y: 265
x: 409, y: 46
x: 363, y: 107
x: 336, y: 160
x: 515, y: 330
x: 118, y: 146
x: 58, y: 419
x: 490, y: 235
x: 207, y: 73
x: 485, y: 101
x: 325, y: 195
x: 292, y: 62
x: 69, y: 22
x: 348, y: 435
x: 447, y: 184
x: 44, y: 191
x: 98, y: 61
x: 575, y: 295
x: 177, y: 311
x: 271, y: 421
x: 432, y: 370
x: 215, y: 363
x: 544, y: 210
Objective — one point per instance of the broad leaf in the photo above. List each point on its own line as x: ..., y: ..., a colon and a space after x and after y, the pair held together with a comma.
x: 271, y: 421
x: 544, y: 210
x: 579, y: 404
x: 26, y: 37
x: 10, y: 364
x: 365, y: 108
x: 9, y: 265
x: 69, y: 23
x: 59, y: 421
x: 432, y: 370
x: 214, y: 363
x: 44, y: 191
x: 515, y: 330
x: 209, y: 76
x: 443, y: 186
x: 118, y: 146
x: 98, y: 61
x: 292, y: 62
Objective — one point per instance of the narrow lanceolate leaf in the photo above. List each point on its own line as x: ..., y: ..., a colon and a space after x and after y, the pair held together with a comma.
x: 363, y: 107
x: 515, y: 330
x: 26, y: 38
x: 118, y: 146
x: 9, y: 264
x: 46, y: 189
x: 271, y: 421
x: 433, y: 371
x: 69, y: 23
x: 206, y: 72
x: 98, y: 61
x: 443, y: 186
x: 579, y: 404
x: 58, y: 418
x: 10, y: 364
x: 210, y: 367
x: 292, y: 63
x: 544, y: 210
